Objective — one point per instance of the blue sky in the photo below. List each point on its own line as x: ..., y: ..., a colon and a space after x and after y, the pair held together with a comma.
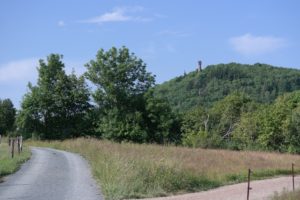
x: 169, y: 35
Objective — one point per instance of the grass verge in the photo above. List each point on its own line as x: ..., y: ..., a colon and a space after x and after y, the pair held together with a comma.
x: 10, y: 165
x: 285, y: 195
x: 129, y: 170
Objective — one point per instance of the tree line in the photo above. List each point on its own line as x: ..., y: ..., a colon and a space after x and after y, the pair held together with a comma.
x: 216, y: 108
x: 7, y: 116
x: 238, y: 122
x: 121, y: 108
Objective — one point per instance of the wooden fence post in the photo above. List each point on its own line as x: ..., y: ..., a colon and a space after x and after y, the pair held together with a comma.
x: 18, y: 142
x: 21, y: 143
x: 293, y: 176
x: 248, y: 187
x: 12, y: 148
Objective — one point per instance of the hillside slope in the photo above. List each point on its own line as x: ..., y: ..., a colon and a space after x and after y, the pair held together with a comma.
x: 263, y: 83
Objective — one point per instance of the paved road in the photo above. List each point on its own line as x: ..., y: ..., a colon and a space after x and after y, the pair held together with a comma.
x: 51, y: 175
x: 261, y: 190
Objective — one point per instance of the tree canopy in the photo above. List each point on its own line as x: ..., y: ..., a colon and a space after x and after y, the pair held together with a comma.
x: 56, y: 106
x: 224, y: 106
x: 7, y: 116
x: 127, y: 108
x: 263, y: 83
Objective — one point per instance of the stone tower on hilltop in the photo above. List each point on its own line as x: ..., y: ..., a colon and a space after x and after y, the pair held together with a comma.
x: 199, y: 69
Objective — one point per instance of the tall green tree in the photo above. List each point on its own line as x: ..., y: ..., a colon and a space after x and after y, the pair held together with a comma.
x: 127, y: 110
x: 247, y: 129
x: 120, y: 77
x: 291, y: 131
x: 121, y: 80
x: 162, y: 124
x: 56, y: 107
x: 7, y: 116
x: 214, y: 127
x: 225, y: 114
x: 195, y: 127
x: 279, y: 126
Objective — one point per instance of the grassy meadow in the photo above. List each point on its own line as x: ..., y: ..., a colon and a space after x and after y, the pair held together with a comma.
x: 126, y: 170
x: 9, y: 165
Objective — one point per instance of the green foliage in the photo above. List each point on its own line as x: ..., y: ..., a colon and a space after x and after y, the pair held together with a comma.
x: 195, y: 120
x: 286, y: 195
x: 120, y: 77
x: 280, y: 124
x: 195, y: 127
x: 127, y: 107
x: 56, y: 107
x: 7, y: 116
x: 121, y: 126
x: 163, y: 125
x: 246, y: 132
x: 226, y: 113
x: 195, y: 139
x: 224, y: 106
x: 263, y: 83
x: 239, y: 123
x: 291, y: 130
x: 214, y: 127
x: 10, y: 165
x: 272, y: 127
x: 243, y: 106
x: 121, y: 80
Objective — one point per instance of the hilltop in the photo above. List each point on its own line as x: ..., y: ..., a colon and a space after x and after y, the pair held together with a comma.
x: 262, y: 82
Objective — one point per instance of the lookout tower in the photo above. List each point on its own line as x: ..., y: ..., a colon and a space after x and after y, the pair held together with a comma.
x: 199, y: 69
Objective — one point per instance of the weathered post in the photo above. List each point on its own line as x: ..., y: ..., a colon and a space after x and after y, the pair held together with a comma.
x: 12, y: 148
x: 0, y: 138
x: 248, y: 187
x: 19, y: 149
x: 21, y: 143
x: 9, y: 141
x: 293, y: 176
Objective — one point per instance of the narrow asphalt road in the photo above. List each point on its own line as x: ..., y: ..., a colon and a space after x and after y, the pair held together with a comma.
x: 51, y: 175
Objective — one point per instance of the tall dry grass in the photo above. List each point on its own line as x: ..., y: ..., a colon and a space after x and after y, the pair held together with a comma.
x: 285, y: 195
x: 129, y: 170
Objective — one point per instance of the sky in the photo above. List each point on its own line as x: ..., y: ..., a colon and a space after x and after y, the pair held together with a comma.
x: 170, y: 36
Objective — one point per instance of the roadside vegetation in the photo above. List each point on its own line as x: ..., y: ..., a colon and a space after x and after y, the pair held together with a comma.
x: 9, y: 165
x: 127, y: 170
x: 226, y: 106
x: 287, y: 196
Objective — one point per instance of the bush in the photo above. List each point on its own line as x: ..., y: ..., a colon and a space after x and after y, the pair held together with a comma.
x: 201, y: 139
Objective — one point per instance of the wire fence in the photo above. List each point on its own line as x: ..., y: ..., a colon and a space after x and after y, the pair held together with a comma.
x: 250, y: 172
x: 15, y: 144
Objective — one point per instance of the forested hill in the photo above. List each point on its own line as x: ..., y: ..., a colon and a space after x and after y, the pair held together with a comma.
x: 263, y: 83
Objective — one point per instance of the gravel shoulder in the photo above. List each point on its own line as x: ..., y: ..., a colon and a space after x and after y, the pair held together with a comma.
x: 51, y: 175
x: 261, y: 190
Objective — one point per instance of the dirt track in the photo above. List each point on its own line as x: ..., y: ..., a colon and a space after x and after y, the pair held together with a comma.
x: 261, y: 190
